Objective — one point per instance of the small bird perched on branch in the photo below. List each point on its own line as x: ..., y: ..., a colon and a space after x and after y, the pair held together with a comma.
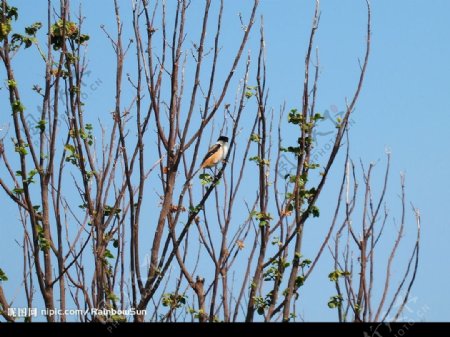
x: 216, y: 153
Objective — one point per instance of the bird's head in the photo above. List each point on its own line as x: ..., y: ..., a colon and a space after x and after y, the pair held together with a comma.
x: 223, y: 139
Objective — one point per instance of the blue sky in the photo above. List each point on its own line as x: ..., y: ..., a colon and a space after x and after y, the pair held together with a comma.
x: 403, y: 107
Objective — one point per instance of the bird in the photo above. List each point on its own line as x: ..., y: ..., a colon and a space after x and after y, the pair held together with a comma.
x: 216, y: 153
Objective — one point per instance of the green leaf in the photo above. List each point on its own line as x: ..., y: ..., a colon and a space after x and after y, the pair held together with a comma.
x: 305, y: 263
x: 21, y: 149
x: 299, y: 281
x: 39, y: 230
x: 334, y: 275
x: 17, y: 106
x: 70, y: 148
x: 195, y: 209
x: 11, y: 83
x: 335, y: 301
x: 254, y: 137
x: 295, y: 117
x: 18, y: 190
x: 69, y: 30
x: 260, y: 304
x: 3, y: 276
x: 118, y: 318
x: 82, y: 38
x: 31, y: 30
x: 263, y: 218
x: 174, y: 301
x: 206, y: 179
x: 43, y: 243
x: 108, y: 209
x: 28, y: 41
x: 41, y: 125
x: 317, y: 117
x: 74, y: 89
x: 113, y: 297
x: 31, y: 174
x: 292, y: 149
x: 108, y: 254
x: 312, y: 165
x: 5, y: 28
x: 259, y: 161
x: 11, y: 12
x: 315, y: 211
x: 90, y: 174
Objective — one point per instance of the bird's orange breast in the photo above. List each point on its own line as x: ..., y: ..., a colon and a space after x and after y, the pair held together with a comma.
x: 213, y: 159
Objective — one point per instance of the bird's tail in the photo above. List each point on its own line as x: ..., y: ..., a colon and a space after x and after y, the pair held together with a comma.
x: 195, y: 172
